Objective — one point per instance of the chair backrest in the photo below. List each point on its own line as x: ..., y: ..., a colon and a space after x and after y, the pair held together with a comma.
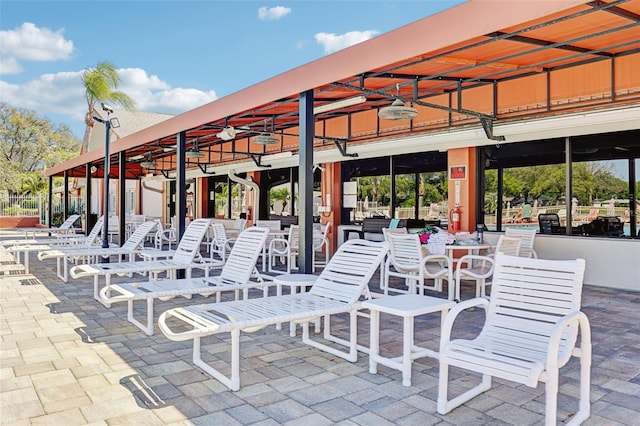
x: 95, y: 231
x: 240, y: 224
x: 68, y: 224
x: 528, y: 297
x: 387, y: 231
x: 294, y: 237
x: 546, y: 221
x: 244, y: 255
x: 405, y: 251
x: 509, y: 245
x: 527, y: 235
x: 219, y: 233
x: 189, y: 245
x: 136, y: 239
x: 346, y: 276
x: 321, y: 235
x: 273, y: 225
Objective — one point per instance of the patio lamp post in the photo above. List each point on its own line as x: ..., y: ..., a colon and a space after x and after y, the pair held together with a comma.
x: 108, y: 124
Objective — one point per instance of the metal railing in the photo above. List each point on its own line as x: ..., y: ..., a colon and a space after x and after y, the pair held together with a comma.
x: 37, y: 206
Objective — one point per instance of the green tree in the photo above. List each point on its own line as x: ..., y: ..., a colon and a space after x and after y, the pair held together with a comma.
x: 100, y: 84
x: 28, y: 145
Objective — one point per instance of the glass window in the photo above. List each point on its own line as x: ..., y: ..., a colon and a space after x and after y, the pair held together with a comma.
x: 526, y: 180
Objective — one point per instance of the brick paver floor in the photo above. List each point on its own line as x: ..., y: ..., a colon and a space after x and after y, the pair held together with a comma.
x: 66, y: 359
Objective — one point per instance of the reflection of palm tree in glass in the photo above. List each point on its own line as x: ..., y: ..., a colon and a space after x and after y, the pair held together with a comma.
x: 281, y: 195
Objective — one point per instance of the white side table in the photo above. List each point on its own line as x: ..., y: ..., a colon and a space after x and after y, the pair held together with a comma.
x: 406, y: 306
x: 294, y: 281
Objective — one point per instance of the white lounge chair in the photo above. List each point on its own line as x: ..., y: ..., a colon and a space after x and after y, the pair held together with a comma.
x: 338, y: 289
x: 186, y: 252
x: 65, y: 228
x: 63, y: 256
x: 530, y: 332
x: 236, y: 275
x: 83, y: 242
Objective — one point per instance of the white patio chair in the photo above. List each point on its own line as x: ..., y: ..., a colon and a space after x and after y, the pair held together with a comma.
x: 480, y: 267
x: 528, y: 236
x: 532, y: 323
x: 286, y: 249
x: 338, y: 289
x: 385, y: 232
x: 275, y: 231
x: 237, y: 274
x: 185, y: 258
x: 219, y: 243
x: 165, y: 235
x: 133, y: 245
x: 321, y: 244
x: 407, y: 259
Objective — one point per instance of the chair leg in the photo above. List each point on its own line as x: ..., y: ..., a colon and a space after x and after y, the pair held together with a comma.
x: 232, y: 382
x: 584, y: 352
x: 551, y: 397
x: 444, y: 405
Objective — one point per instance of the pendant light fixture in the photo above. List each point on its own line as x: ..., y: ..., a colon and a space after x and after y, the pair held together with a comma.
x: 148, y: 163
x: 265, y: 138
x: 194, y: 152
x: 397, y: 110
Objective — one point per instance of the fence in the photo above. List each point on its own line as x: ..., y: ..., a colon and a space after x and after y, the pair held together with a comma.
x: 16, y: 206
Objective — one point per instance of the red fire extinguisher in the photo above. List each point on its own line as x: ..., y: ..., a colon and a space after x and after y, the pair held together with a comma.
x: 455, y: 218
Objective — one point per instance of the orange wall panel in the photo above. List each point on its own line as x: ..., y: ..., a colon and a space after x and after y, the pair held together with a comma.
x: 523, y: 92
x: 464, y: 157
x: 590, y: 79
x: 627, y: 75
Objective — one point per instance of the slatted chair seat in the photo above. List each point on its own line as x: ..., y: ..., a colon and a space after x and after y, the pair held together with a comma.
x: 236, y: 275
x: 338, y: 289
x: 531, y: 330
x: 186, y: 252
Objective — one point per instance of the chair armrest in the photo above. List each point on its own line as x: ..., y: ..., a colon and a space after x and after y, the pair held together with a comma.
x: 582, y: 322
x: 169, y: 333
x: 470, y: 258
x: 447, y: 325
x: 283, y: 241
x: 437, y: 258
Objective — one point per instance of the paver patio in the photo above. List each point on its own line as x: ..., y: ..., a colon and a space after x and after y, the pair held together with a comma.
x: 66, y: 359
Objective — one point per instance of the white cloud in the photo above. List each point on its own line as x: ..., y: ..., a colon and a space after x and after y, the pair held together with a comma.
x: 332, y: 42
x: 154, y: 95
x: 273, y: 13
x: 63, y: 94
x: 31, y: 43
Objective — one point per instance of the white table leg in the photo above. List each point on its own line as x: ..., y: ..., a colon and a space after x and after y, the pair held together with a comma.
x: 407, y: 346
x: 374, y: 344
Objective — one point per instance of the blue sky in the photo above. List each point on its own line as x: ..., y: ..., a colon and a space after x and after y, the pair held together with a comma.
x: 173, y: 56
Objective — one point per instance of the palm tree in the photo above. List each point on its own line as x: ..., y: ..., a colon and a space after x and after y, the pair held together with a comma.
x: 100, y: 84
